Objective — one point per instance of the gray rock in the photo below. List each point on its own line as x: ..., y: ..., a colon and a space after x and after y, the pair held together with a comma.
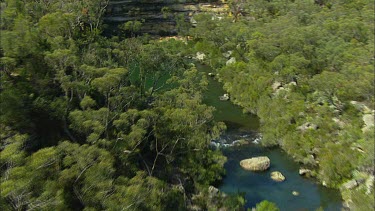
x: 276, y: 85
x: 339, y: 123
x: 368, y: 119
x: 293, y: 83
x: 231, y: 61
x: 370, y: 184
x: 303, y: 171
x: 277, y: 176
x: 350, y: 184
x: 307, y: 126
x: 193, y: 21
x: 225, y: 97
x: 227, y: 54
x: 261, y: 163
x: 361, y: 107
x: 200, y: 56
x: 212, y: 191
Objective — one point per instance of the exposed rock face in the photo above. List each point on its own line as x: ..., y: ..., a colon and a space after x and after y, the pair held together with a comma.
x: 200, y: 56
x: 227, y: 54
x: 276, y: 85
x: 361, y: 107
x: 307, y: 126
x: 277, y: 176
x: 368, y: 119
x: 240, y: 142
x: 303, y: 171
x: 256, y: 164
x: 350, y: 184
x: 212, y: 191
x: 225, y: 97
x: 150, y: 13
x: 339, y: 123
x: 293, y: 83
x: 231, y: 61
x: 370, y: 184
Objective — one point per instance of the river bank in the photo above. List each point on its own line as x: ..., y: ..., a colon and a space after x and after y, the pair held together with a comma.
x: 242, y: 128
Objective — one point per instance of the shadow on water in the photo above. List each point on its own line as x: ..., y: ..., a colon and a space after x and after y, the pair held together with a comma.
x: 258, y: 186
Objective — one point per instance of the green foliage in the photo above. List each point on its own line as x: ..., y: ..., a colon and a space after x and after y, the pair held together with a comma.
x: 132, y: 27
x: 110, y: 123
x: 266, y: 206
x: 94, y: 123
x: 298, y: 67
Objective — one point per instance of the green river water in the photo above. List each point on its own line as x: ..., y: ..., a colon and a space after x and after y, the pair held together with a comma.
x: 259, y: 186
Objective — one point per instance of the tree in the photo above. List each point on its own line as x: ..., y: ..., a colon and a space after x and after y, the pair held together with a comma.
x: 266, y: 206
x: 132, y: 27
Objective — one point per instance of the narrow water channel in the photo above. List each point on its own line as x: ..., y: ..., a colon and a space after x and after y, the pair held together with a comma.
x: 259, y: 186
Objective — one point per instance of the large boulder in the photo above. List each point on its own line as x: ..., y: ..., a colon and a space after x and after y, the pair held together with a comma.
x: 277, y: 176
x: 261, y: 163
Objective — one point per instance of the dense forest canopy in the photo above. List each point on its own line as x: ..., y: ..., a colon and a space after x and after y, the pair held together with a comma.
x: 92, y: 123
x: 111, y: 123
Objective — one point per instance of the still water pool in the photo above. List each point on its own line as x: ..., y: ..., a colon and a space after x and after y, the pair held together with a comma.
x: 259, y: 186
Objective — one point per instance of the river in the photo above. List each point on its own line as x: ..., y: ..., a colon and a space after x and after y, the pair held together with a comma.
x: 259, y: 186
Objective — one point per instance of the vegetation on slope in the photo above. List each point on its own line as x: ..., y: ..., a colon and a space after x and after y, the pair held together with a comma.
x: 307, y: 70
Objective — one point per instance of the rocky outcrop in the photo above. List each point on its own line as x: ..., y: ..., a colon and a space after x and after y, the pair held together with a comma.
x: 227, y: 54
x: 307, y: 126
x: 361, y: 107
x: 370, y: 184
x: 157, y: 16
x: 368, y: 119
x: 276, y: 85
x: 200, y: 56
x: 240, y: 142
x: 277, y: 176
x: 231, y: 61
x: 261, y: 163
x: 225, y: 97
x: 350, y: 184
x: 338, y: 122
x: 305, y: 172
x: 213, y: 192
